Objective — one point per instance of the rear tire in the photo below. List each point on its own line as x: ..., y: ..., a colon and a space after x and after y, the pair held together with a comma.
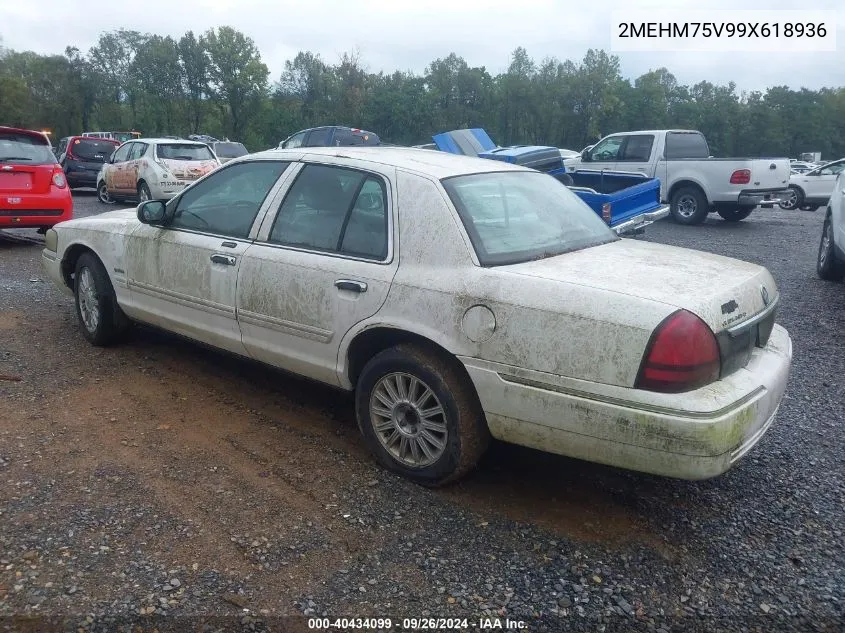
x: 828, y: 265
x: 103, y: 194
x: 689, y: 206
x: 144, y: 192
x: 794, y: 199
x: 103, y: 322
x: 735, y: 214
x: 420, y: 415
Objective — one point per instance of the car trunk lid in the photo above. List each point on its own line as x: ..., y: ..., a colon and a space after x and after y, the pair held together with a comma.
x: 25, y: 179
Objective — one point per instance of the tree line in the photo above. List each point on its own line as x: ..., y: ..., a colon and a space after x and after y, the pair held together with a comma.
x: 216, y: 83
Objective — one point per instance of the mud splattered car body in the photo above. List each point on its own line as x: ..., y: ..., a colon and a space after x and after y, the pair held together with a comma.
x: 460, y: 300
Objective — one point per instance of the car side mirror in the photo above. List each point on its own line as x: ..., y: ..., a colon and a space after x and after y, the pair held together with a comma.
x: 586, y: 156
x: 151, y: 212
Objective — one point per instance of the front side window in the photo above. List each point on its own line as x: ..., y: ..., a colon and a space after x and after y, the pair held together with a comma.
x: 294, y: 141
x: 138, y: 150
x: 227, y: 202
x: 184, y: 151
x: 832, y: 170
x: 122, y: 153
x: 608, y: 149
x: 334, y: 209
x: 513, y: 217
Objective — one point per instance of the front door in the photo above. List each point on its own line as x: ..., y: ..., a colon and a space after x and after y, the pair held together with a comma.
x: 183, y: 275
x: 322, y: 263
x: 115, y: 172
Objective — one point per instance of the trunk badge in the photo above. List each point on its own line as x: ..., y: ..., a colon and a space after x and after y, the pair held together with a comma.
x: 765, y: 294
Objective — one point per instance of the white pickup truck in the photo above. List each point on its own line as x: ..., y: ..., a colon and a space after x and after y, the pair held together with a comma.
x: 692, y: 182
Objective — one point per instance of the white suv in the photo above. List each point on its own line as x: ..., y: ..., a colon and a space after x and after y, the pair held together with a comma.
x: 153, y: 169
x: 831, y: 261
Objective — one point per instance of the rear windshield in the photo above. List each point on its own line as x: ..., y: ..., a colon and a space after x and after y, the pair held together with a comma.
x: 513, y: 217
x: 184, y: 151
x: 25, y: 148
x: 686, y: 145
x: 230, y: 150
x: 93, y: 150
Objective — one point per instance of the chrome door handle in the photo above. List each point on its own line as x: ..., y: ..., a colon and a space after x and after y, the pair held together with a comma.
x: 226, y: 260
x: 350, y: 284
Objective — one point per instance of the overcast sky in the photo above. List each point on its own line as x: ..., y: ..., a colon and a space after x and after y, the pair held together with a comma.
x: 408, y: 34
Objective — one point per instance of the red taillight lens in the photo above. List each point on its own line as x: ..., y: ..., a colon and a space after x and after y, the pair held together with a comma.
x: 741, y: 177
x: 605, y: 212
x: 59, y: 179
x: 682, y: 355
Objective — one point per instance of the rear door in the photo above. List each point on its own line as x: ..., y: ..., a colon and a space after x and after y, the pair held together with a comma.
x: 322, y: 262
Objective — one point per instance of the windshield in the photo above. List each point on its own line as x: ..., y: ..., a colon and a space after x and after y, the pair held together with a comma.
x: 513, y: 217
x: 93, y: 150
x: 25, y: 148
x: 184, y: 151
x: 230, y: 150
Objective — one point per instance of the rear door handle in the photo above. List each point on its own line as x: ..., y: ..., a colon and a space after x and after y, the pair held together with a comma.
x: 350, y: 284
x: 226, y: 260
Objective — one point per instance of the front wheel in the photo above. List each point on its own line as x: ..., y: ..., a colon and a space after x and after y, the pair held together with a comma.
x: 829, y: 266
x: 689, y: 206
x: 420, y: 416
x: 794, y: 199
x: 736, y: 214
x: 103, y: 194
x: 102, y: 320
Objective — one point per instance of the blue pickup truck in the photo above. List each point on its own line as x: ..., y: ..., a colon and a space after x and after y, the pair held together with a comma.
x: 626, y: 201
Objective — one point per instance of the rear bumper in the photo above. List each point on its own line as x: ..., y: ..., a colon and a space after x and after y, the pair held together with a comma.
x: 764, y: 198
x: 693, y: 435
x: 641, y: 221
x: 31, y: 211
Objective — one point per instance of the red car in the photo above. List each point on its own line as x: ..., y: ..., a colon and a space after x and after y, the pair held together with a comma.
x: 33, y: 187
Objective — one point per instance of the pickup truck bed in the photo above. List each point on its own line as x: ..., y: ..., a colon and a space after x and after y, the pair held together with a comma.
x: 627, y: 202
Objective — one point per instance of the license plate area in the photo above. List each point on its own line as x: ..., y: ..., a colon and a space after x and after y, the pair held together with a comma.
x: 736, y: 346
x: 15, y: 181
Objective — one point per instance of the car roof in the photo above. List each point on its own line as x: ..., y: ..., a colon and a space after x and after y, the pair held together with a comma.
x: 19, y: 130
x: 424, y: 161
x: 180, y: 141
x: 92, y: 138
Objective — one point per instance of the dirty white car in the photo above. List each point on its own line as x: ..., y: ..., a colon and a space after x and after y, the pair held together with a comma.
x: 153, y: 169
x: 458, y: 298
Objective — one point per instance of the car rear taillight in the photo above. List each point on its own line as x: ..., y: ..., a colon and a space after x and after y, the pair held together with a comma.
x: 682, y: 355
x: 605, y: 213
x: 59, y: 179
x: 741, y: 177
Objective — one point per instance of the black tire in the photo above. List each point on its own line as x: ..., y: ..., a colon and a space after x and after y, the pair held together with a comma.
x: 110, y: 323
x: 689, y: 206
x: 829, y: 265
x: 735, y: 214
x: 103, y: 193
x: 794, y: 201
x: 144, y: 192
x: 467, y: 435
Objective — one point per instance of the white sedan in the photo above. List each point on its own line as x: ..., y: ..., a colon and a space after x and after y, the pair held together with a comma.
x: 811, y: 189
x: 153, y: 169
x: 460, y: 299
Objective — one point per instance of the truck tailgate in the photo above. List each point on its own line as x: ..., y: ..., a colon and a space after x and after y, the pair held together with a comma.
x: 769, y: 173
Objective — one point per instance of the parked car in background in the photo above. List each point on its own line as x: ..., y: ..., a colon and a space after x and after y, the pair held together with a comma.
x: 227, y: 150
x: 330, y: 136
x: 33, y: 188
x: 830, y: 264
x: 531, y: 321
x: 153, y: 169
x: 692, y: 182
x: 571, y: 158
x: 812, y: 189
x: 117, y: 136
x: 82, y: 157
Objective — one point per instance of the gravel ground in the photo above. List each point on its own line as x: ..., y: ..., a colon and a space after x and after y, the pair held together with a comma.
x: 174, y: 487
